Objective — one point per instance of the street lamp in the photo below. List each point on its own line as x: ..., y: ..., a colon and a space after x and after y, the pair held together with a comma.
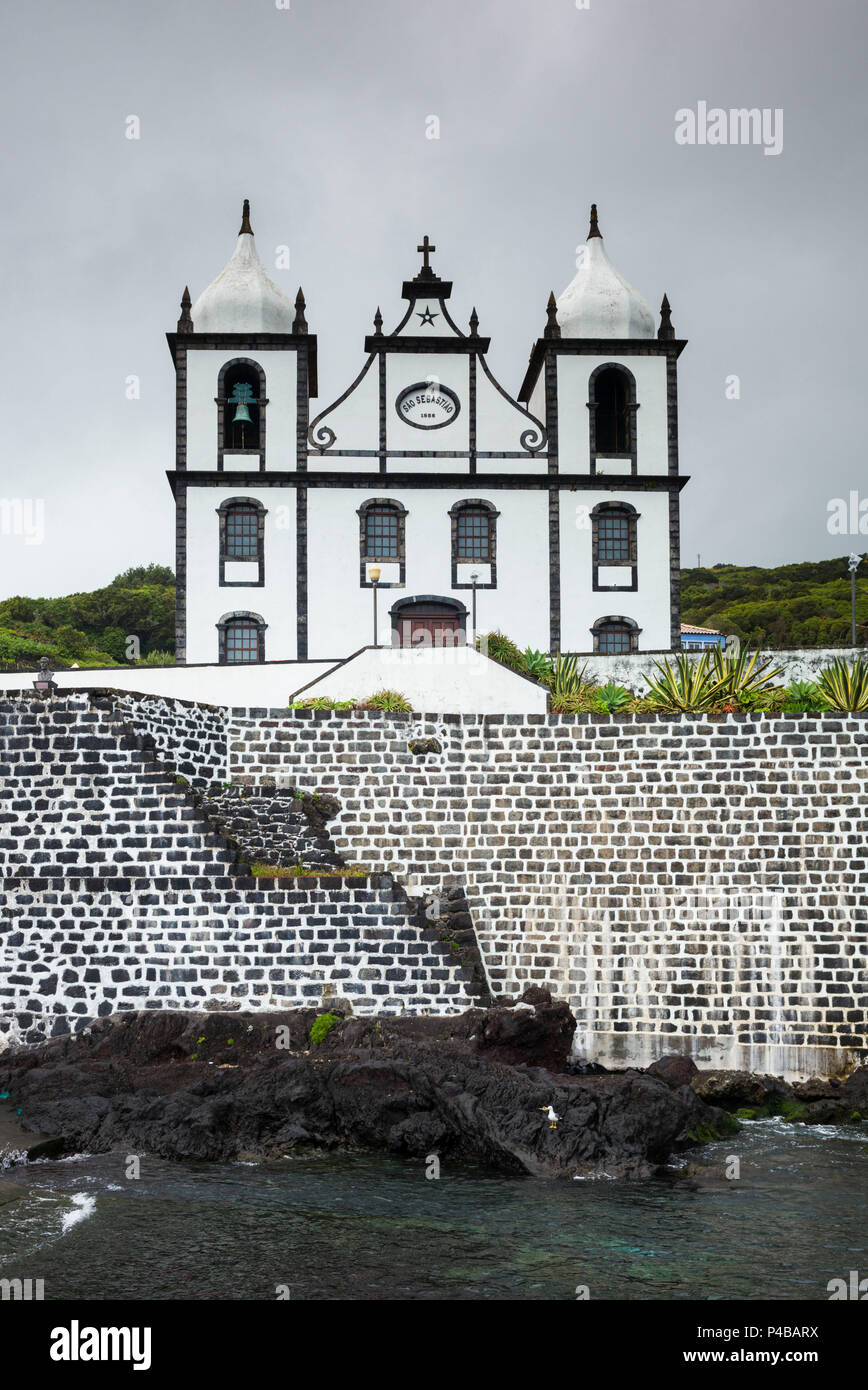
x: 374, y: 576
x: 473, y: 580
x: 853, y: 564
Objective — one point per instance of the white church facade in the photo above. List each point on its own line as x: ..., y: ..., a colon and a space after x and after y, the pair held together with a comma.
x: 426, y: 491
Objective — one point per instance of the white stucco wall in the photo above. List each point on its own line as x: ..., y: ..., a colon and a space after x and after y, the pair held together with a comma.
x: 341, y: 611
x: 275, y: 601
x: 203, y: 369
x: 267, y: 686
x: 435, y: 680
x: 649, y: 605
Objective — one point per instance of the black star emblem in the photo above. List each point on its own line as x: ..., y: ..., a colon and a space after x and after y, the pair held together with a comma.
x: 428, y: 317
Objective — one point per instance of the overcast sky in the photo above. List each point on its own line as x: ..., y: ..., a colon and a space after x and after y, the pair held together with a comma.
x: 318, y: 114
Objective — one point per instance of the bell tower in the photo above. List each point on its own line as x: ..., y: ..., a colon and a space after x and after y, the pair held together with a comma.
x: 245, y: 370
x: 605, y: 383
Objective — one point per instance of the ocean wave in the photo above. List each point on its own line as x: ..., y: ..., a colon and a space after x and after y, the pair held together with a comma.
x: 84, y: 1205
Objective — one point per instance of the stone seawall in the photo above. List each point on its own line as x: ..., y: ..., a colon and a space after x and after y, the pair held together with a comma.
x: 117, y: 893
x: 688, y: 883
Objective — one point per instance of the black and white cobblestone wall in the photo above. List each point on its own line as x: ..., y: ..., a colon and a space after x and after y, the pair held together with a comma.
x: 116, y: 892
x: 690, y: 883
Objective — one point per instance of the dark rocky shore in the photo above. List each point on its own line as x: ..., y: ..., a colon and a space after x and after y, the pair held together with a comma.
x: 470, y: 1088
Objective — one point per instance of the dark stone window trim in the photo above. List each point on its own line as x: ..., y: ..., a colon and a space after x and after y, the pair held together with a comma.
x: 465, y: 565
x: 632, y: 407
x: 223, y: 624
x: 366, y: 559
x: 220, y: 401
x: 631, y: 564
x: 629, y: 623
x: 222, y: 512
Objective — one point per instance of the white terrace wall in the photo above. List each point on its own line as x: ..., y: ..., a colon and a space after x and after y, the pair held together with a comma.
x: 438, y: 679
x: 690, y: 884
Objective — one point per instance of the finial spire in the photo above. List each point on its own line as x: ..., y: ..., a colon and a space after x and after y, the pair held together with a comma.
x: 245, y: 219
x: 378, y: 323
x: 474, y: 323
x: 299, y: 323
x: 595, y: 230
x: 552, y: 326
x: 185, y: 323
x: 665, y: 330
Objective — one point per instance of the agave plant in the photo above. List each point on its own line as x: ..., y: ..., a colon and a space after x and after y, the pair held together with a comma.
x: 743, y: 681
x: 715, y: 682
x: 566, y: 678
x: 685, y: 687
x: 803, y: 697
x: 611, y: 698
x: 538, y: 665
x: 501, y: 648
x: 391, y: 701
x: 844, y: 686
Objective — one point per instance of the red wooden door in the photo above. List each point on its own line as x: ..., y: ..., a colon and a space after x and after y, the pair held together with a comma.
x: 428, y: 627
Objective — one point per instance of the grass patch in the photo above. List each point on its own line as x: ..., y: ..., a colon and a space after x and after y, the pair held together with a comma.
x: 302, y: 871
x: 322, y: 1026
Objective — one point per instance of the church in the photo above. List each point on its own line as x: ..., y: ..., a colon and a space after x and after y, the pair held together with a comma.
x: 426, y: 503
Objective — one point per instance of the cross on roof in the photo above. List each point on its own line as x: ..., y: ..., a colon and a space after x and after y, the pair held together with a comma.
x: 426, y: 248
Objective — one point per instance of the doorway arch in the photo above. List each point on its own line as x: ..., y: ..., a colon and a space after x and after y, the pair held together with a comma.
x: 429, y: 620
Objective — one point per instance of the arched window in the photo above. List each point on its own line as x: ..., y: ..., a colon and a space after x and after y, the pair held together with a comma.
x: 382, y: 540
x: 242, y: 541
x: 614, y: 636
x: 614, y: 546
x: 612, y: 408
x: 241, y: 406
x: 474, y: 544
x: 241, y: 639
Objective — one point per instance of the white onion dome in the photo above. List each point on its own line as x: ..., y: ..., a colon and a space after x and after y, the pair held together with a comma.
x: 242, y: 299
x: 598, y: 302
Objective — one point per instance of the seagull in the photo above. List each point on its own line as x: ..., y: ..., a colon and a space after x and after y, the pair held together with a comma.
x: 551, y: 1116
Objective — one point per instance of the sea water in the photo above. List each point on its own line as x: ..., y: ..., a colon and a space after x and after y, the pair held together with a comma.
x: 365, y: 1226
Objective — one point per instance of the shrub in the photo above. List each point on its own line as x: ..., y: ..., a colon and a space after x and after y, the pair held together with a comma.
x: 157, y: 658
x: 501, y: 648
x: 392, y: 701
x: 844, y: 684
x: 322, y: 1026
x: 323, y: 702
x: 71, y: 641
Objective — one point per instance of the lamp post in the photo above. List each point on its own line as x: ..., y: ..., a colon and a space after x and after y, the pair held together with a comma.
x: 473, y: 580
x: 853, y: 564
x: 374, y: 575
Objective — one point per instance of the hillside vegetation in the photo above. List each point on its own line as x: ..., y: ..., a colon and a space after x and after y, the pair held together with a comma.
x: 804, y: 605
x: 93, y: 629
